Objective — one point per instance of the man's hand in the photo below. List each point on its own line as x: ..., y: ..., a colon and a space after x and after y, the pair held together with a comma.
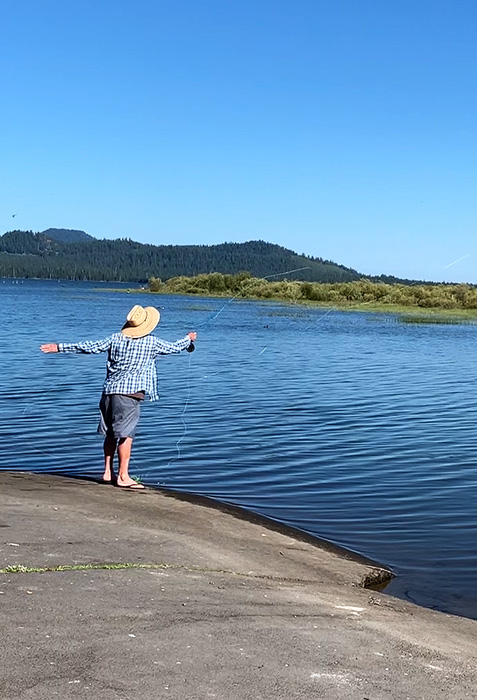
x: 49, y: 347
x: 192, y: 336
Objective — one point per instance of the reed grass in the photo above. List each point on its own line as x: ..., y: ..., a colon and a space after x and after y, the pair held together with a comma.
x: 436, y: 319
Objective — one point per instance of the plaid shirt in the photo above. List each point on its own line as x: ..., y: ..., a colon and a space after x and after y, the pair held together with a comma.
x: 131, y: 363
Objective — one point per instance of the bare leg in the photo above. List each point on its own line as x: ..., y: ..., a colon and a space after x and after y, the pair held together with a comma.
x: 109, y: 448
x: 124, y: 455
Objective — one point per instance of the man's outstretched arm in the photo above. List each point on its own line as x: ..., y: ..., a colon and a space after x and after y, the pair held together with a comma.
x: 163, y: 347
x: 90, y: 346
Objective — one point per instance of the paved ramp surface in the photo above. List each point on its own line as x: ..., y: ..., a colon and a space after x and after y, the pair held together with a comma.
x: 200, y: 604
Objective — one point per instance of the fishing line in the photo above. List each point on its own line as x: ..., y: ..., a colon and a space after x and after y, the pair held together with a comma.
x: 184, y: 424
x: 288, y: 272
x: 229, y: 301
x: 202, y: 325
x: 208, y: 320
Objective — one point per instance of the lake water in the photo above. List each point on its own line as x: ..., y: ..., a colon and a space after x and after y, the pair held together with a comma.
x: 352, y: 427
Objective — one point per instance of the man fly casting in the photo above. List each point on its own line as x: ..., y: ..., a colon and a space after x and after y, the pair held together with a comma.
x: 130, y: 376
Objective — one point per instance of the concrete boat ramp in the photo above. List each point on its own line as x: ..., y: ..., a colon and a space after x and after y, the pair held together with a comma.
x: 118, y: 595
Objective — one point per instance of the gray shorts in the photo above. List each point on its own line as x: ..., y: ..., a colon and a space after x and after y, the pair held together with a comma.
x: 119, y: 415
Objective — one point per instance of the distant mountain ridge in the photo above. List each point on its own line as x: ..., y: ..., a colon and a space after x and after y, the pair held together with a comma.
x: 73, y: 254
x: 67, y: 235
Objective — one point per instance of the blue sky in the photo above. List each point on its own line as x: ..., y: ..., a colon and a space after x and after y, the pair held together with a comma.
x: 344, y: 129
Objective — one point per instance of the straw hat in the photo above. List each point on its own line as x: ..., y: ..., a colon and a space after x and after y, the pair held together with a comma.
x: 140, y: 321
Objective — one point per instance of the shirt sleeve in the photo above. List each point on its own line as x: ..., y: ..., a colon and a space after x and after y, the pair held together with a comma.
x: 163, y: 347
x: 89, y: 346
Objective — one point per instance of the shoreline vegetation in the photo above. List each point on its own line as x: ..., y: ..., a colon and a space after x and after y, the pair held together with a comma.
x: 447, y: 303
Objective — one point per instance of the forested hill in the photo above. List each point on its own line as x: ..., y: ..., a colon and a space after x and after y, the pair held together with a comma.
x: 49, y: 255
x: 67, y: 235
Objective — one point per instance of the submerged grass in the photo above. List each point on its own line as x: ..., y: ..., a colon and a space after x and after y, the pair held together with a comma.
x: 437, y: 319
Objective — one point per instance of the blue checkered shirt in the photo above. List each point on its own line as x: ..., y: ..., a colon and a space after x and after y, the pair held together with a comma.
x: 131, y: 363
